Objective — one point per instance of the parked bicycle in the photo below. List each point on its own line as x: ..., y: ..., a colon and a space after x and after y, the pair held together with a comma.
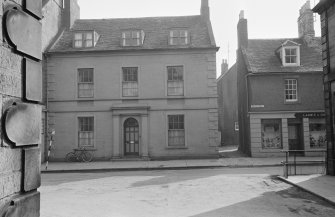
x: 80, y: 154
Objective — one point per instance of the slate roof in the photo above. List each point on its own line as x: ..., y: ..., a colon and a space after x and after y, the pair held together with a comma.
x: 156, y: 33
x: 260, y: 56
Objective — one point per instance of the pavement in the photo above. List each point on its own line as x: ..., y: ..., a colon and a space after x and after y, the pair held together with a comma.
x: 320, y: 185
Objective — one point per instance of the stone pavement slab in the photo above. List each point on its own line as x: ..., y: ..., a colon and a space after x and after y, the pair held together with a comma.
x: 322, y: 186
x: 167, y: 164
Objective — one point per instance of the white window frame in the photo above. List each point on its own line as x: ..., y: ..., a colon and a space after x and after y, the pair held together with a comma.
x: 284, y: 55
x: 132, y: 38
x: 179, y: 37
x: 174, y: 83
x: 84, y: 40
x: 130, y: 85
x: 176, y: 130
x: 79, y: 145
x: 291, y: 84
x: 84, y: 83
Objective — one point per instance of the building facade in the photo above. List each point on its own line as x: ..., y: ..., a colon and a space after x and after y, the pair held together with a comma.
x: 227, y: 102
x: 279, y: 84
x: 326, y: 8
x: 135, y: 88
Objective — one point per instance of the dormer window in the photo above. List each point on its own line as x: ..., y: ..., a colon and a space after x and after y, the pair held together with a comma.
x: 179, y: 37
x: 85, y: 39
x: 289, y: 53
x: 133, y: 38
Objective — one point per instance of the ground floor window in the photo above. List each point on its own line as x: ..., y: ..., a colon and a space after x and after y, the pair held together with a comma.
x: 271, y: 134
x: 317, y: 132
x: 85, y: 131
x: 176, y: 130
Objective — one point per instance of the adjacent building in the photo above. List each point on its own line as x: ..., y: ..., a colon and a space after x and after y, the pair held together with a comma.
x: 280, y: 91
x: 227, y: 102
x: 326, y: 8
x: 134, y: 88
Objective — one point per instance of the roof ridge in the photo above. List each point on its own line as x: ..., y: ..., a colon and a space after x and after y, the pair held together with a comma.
x: 128, y: 18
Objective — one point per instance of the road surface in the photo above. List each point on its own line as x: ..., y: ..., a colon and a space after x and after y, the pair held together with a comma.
x: 249, y: 192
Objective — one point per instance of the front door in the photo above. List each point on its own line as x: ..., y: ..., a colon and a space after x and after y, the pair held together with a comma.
x: 294, y: 138
x: 131, y: 137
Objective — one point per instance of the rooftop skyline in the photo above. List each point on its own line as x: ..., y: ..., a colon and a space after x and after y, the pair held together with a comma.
x: 266, y: 18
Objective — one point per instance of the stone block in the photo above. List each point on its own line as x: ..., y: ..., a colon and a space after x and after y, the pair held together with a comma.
x: 23, y: 124
x: 27, y: 205
x: 32, y: 169
x: 10, y: 183
x: 10, y: 73
x: 33, y: 80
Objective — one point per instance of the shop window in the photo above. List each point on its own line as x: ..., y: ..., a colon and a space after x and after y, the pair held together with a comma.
x: 317, y: 133
x: 271, y: 134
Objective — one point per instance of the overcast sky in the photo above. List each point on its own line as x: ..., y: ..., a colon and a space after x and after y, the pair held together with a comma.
x: 266, y: 18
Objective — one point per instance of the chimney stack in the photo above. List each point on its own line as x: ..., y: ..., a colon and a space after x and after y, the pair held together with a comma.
x: 71, y: 13
x: 242, y: 31
x: 224, y: 67
x: 306, y: 21
x: 205, y: 9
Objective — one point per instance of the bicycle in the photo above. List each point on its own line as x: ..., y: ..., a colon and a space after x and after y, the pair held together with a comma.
x: 80, y: 154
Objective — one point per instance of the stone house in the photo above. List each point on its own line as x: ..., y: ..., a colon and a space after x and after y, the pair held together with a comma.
x: 140, y: 88
x: 279, y: 84
x: 326, y: 8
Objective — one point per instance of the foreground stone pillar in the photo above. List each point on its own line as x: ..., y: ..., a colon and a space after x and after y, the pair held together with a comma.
x: 20, y: 99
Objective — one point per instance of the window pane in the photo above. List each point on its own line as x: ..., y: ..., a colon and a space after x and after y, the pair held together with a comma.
x: 78, y: 36
x: 89, y: 36
x: 86, y: 131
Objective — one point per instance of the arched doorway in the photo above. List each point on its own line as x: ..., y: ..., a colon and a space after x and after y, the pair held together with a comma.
x: 131, y: 137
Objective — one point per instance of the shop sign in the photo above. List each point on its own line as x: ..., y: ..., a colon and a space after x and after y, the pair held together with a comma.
x: 310, y: 115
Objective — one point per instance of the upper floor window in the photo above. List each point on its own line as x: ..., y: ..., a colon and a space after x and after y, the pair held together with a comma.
x: 179, y: 37
x: 176, y: 130
x: 85, y: 39
x: 85, y: 131
x: 175, y: 81
x: 129, y: 81
x: 133, y: 38
x: 85, y: 83
x: 291, y: 55
x: 291, y: 90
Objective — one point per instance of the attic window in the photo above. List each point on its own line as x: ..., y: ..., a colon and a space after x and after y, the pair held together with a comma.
x: 179, y: 37
x: 133, y: 38
x: 85, y: 39
x: 291, y: 55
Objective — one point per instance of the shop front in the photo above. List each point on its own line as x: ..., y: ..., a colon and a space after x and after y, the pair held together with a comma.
x: 301, y: 132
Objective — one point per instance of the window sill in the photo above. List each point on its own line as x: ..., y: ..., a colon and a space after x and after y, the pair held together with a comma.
x: 175, y: 97
x: 176, y: 147
x: 291, y: 102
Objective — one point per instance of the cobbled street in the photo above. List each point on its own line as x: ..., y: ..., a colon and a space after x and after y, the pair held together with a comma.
x: 248, y: 192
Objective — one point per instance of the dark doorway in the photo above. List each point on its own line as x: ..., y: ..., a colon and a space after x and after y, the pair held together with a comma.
x: 131, y: 137
x: 295, y: 138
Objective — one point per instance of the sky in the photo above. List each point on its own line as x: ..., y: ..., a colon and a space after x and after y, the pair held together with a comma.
x: 266, y: 18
